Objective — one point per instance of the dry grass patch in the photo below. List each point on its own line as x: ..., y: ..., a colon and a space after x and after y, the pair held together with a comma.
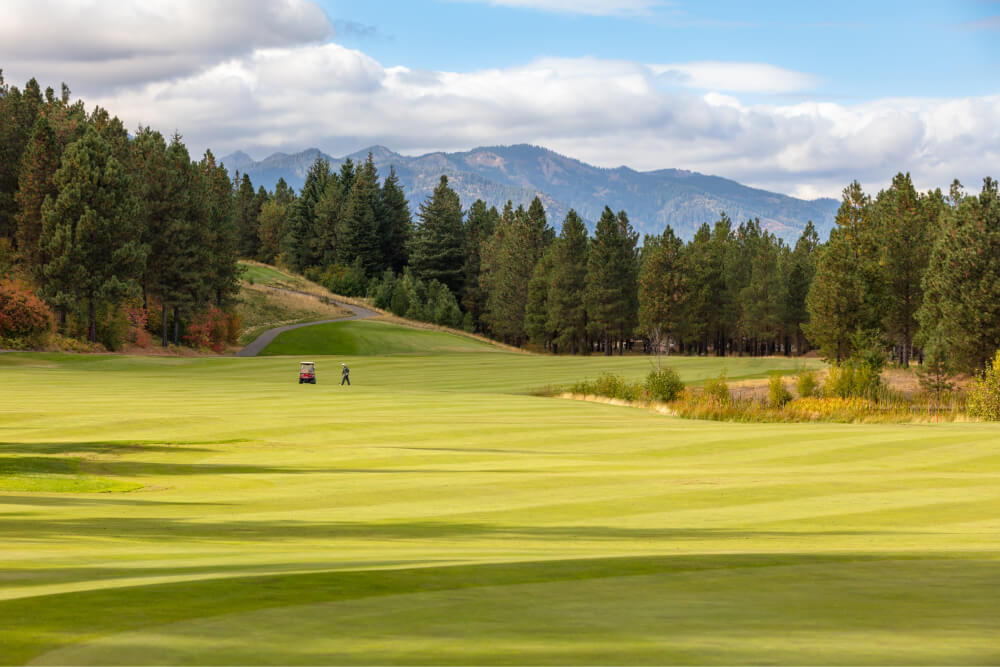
x: 263, y: 308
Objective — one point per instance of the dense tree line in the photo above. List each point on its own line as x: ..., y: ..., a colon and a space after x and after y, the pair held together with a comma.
x: 100, y: 221
x: 96, y: 217
x: 918, y: 273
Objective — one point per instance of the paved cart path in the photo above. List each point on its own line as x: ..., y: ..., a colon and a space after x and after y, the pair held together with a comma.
x: 262, y: 341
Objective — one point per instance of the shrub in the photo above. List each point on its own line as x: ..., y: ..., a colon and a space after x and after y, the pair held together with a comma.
x: 138, y: 335
x: 610, y: 385
x: 23, y: 316
x: 777, y: 395
x: 212, y: 329
x: 853, y: 378
x: 340, y: 279
x: 112, y: 327
x: 663, y: 385
x: 805, y: 383
x: 984, y: 392
x: 717, y: 390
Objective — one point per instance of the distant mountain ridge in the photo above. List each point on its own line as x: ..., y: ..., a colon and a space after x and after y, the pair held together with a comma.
x: 496, y: 174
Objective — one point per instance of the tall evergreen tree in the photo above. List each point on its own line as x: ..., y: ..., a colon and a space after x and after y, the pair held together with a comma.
x: 567, y: 311
x: 221, y: 234
x: 178, y: 255
x: 612, y: 272
x: 94, y: 257
x: 396, y: 225
x: 36, y: 182
x: 247, y: 217
x: 962, y: 284
x: 18, y: 111
x: 360, y: 238
x: 763, y: 297
x: 479, y: 227
x: 438, y: 244
x: 662, y: 288
x: 904, y: 239
x: 516, y: 248
x: 802, y: 267
x: 537, y: 324
x: 299, y: 245
x: 845, y: 296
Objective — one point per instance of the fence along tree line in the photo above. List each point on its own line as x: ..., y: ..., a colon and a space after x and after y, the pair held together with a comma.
x: 908, y: 270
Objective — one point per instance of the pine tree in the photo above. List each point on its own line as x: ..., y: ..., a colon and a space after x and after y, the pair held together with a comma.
x: 38, y: 168
x: 567, y: 312
x: 271, y: 227
x: 904, y: 237
x: 247, y: 217
x: 177, y: 272
x: 329, y: 225
x: 300, y: 245
x: 360, y: 237
x: 662, y: 289
x: 536, y: 310
x: 438, y: 244
x: 87, y: 235
x: 221, y: 234
x: 611, y: 291
x: 962, y: 283
x: 479, y: 227
x: 801, y: 269
x: 515, y: 249
x: 18, y: 112
x: 763, y: 297
x: 396, y: 225
x: 845, y: 296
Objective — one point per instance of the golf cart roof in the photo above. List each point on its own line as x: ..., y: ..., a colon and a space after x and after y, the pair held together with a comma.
x: 306, y: 363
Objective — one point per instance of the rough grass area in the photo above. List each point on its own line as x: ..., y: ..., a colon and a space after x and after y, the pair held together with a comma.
x: 435, y: 513
x: 262, y: 308
x: 366, y: 338
x: 256, y: 273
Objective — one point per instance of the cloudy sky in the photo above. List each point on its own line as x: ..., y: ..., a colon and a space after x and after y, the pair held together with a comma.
x: 796, y: 97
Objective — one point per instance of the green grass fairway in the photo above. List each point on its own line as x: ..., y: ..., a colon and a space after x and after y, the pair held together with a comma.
x: 370, y: 338
x: 214, y: 511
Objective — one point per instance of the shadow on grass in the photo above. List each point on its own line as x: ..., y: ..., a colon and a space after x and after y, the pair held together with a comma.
x: 887, y: 593
x: 159, y: 528
x: 110, y: 446
x: 52, y: 465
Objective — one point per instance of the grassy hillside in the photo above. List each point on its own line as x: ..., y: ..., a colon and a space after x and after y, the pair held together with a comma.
x: 368, y: 338
x: 435, y: 514
x: 267, y: 300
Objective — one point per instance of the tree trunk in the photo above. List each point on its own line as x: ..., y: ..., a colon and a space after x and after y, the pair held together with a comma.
x: 91, y: 321
x: 163, y: 325
x: 177, y: 326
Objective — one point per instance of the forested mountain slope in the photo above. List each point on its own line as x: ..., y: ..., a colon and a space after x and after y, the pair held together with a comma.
x: 654, y: 199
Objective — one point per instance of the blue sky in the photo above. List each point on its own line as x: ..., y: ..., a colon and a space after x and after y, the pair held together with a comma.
x: 856, y: 50
x: 796, y: 97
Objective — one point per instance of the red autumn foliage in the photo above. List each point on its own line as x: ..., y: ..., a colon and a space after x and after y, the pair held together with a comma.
x: 213, y: 329
x: 23, y: 316
x: 138, y: 335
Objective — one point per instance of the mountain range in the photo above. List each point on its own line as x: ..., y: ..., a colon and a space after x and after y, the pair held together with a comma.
x: 496, y: 174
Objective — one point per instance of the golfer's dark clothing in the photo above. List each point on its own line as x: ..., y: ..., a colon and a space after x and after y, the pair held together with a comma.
x: 346, y: 376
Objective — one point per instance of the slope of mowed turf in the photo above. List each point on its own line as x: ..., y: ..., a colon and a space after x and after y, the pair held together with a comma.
x: 265, y: 274
x: 367, y: 338
x: 434, y: 514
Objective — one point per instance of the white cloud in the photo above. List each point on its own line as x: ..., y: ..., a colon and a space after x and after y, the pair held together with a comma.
x: 241, y: 86
x: 605, y: 112
x: 592, y: 7
x: 126, y: 42
x: 735, y: 77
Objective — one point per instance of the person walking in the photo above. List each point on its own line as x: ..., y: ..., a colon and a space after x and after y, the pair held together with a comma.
x: 345, y: 375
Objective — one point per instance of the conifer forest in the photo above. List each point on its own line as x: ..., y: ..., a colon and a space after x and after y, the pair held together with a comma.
x: 101, y: 225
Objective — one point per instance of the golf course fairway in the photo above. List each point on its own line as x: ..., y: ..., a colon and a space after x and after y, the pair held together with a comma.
x: 162, y: 510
